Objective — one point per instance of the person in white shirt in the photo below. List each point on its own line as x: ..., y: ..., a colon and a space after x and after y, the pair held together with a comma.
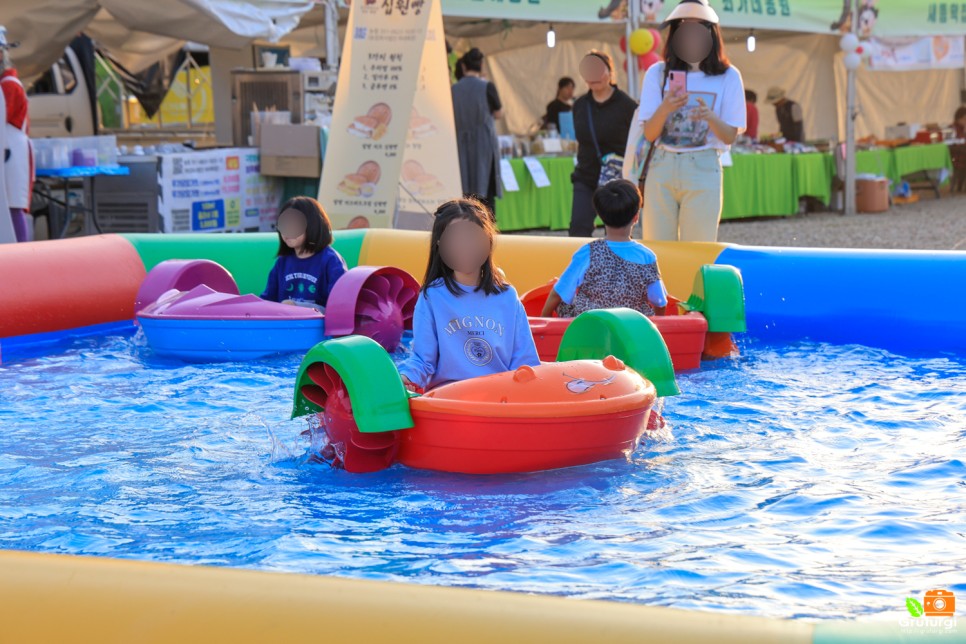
x: 691, y: 127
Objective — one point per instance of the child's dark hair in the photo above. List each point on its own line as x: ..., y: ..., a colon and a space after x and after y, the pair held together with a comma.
x: 491, y: 280
x: 318, y: 229
x: 473, y: 60
x: 617, y: 202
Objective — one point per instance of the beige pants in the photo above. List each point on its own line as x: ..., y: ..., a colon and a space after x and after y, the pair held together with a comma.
x: 682, y: 196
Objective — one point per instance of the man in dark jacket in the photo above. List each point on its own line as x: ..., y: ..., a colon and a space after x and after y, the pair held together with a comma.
x: 789, y: 114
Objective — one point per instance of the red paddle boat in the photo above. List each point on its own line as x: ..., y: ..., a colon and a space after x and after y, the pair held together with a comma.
x: 592, y: 404
x: 700, y: 327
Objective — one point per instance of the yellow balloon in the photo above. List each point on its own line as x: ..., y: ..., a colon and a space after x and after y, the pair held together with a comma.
x: 641, y: 42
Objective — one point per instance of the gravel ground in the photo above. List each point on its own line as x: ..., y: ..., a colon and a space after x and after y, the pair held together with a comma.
x: 930, y: 224
x: 934, y: 224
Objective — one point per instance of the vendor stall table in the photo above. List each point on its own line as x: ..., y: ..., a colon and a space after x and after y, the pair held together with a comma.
x: 756, y: 185
x: 533, y: 207
x: 51, y: 180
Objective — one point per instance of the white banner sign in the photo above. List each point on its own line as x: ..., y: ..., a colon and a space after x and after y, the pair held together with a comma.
x: 216, y: 191
x: 937, y: 52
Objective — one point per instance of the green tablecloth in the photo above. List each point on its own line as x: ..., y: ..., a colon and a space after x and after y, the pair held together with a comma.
x: 756, y: 185
x: 534, y: 207
x: 916, y: 158
x: 813, y: 175
x: 877, y: 162
x: 759, y: 184
x: 897, y: 163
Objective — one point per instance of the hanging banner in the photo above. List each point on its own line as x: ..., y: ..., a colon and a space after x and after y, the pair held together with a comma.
x: 937, y: 52
x: 540, y: 10
x: 430, y: 171
x: 215, y: 191
x: 389, y: 54
x: 884, y: 18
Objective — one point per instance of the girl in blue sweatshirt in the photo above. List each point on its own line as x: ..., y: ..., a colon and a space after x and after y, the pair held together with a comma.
x: 307, y: 266
x: 468, y: 321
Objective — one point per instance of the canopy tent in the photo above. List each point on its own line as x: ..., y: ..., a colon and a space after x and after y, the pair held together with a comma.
x: 513, y: 34
x: 808, y: 66
x: 134, y: 29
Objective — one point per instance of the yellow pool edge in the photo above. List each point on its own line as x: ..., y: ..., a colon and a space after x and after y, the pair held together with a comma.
x: 61, y: 598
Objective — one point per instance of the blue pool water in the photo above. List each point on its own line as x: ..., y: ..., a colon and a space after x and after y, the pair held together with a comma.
x: 809, y: 481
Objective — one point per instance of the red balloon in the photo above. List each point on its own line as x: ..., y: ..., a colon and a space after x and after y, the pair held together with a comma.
x: 859, y: 50
x: 657, y: 39
x: 645, y: 61
x: 624, y: 44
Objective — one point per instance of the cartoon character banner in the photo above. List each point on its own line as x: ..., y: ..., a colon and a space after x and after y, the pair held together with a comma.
x: 883, y: 18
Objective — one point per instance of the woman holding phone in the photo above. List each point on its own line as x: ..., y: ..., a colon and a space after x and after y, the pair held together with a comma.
x: 693, y: 108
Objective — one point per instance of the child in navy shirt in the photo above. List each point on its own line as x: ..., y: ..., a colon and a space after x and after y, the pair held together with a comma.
x: 468, y: 321
x: 615, y: 271
x: 307, y: 266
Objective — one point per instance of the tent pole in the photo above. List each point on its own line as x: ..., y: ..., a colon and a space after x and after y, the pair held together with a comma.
x: 332, y: 34
x: 850, y: 127
x: 632, y: 87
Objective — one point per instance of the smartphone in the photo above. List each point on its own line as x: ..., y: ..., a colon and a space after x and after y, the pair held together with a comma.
x: 678, y: 83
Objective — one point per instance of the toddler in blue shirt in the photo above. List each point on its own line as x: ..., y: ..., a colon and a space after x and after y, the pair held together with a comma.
x: 615, y: 271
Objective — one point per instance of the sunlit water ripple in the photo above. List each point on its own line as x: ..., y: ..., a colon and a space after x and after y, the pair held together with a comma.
x: 799, y: 481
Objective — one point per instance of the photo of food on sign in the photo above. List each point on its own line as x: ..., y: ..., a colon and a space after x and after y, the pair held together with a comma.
x: 362, y: 183
x: 420, y: 127
x: 373, y: 124
x: 418, y: 182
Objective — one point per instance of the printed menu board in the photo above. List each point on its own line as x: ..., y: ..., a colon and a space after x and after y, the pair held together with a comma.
x: 392, y: 142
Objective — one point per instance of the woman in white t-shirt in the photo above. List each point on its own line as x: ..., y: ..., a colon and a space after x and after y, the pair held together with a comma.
x: 691, y: 128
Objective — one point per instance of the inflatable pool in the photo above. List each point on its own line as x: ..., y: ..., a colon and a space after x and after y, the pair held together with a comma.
x: 89, y: 285
x: 572, y: 412
x: 836, y: 296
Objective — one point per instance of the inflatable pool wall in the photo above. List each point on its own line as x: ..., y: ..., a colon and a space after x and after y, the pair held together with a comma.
x: 898, y: 300
x: 902, y: 300
x: 113, y: 600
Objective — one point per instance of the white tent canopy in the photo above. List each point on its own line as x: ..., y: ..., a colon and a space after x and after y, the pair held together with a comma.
x: 808, y: 66
x: 45, y: 27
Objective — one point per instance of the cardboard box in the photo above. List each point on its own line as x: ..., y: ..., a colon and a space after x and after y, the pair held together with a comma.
x: 872, y: 195
x: 290, y: 151
x: 902, y: 131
